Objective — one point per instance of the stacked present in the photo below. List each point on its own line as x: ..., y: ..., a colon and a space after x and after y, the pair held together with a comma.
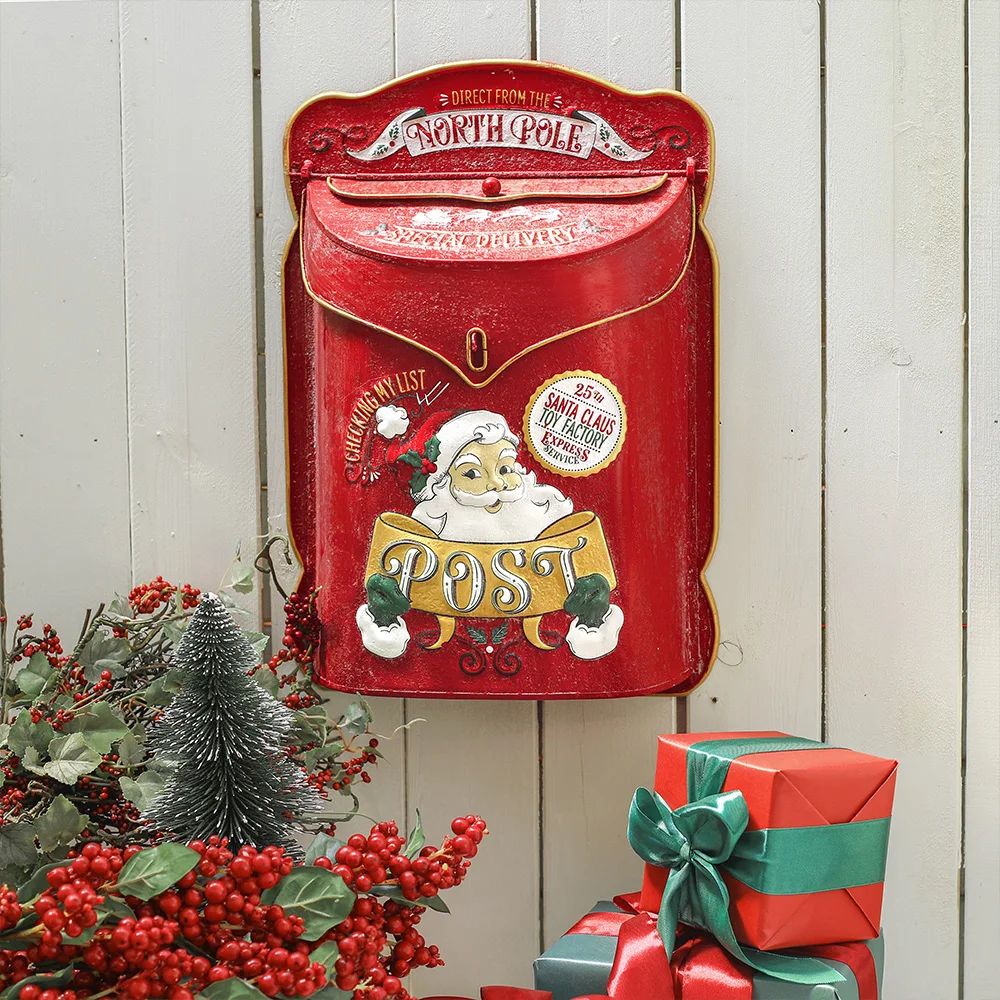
x: 764, y: 862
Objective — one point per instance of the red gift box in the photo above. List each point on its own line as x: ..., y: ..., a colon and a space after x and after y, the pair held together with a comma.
x: 788, y: 788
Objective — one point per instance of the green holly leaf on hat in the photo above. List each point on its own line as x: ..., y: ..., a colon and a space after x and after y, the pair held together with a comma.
x: 433, y: 449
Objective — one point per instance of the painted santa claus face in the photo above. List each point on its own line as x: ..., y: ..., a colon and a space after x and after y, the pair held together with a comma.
x: 485, y: 469
x: 485, y: 495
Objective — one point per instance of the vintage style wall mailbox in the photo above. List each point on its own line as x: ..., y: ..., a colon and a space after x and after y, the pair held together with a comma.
x: 501, y: 384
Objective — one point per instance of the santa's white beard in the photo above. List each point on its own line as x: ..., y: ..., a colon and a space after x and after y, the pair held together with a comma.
x: 523, y: 515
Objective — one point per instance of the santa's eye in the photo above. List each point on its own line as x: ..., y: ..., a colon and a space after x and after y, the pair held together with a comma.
x: 472, y: 474
x: 505, y: 470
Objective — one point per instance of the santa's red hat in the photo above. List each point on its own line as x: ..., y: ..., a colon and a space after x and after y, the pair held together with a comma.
x: 437, y: 442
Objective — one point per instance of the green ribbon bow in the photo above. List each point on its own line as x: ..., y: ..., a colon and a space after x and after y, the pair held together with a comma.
x: 709, y: 834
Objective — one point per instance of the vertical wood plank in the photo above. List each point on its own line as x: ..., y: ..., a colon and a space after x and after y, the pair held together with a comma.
x: 895, y: 91
x: 187, y: 117
x: 429, y: 32
x: 595, y: 754
x: 309, y: 47
x: 629, y: 42
x: 64, y: 505
x: 982, y: 767
x: 754, y: 67
x: 476, y: 755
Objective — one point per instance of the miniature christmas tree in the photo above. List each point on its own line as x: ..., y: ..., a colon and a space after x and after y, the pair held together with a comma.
x: 221, y: 739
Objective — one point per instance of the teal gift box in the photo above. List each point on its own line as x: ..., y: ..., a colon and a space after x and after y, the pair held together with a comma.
x: 580, y: 962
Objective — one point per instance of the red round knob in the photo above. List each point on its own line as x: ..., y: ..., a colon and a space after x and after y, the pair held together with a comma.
x: 491, y: 187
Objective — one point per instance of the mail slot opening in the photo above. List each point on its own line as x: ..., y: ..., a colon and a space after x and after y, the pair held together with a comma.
x: 477, y: 356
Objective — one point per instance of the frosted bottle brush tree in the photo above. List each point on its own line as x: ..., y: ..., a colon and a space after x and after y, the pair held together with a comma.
x: 222, y: 742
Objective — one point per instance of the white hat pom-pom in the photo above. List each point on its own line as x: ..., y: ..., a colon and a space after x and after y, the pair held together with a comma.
x: 391, y: 421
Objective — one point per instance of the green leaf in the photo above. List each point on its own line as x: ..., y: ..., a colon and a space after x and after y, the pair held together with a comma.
x: 319, y: 897
x: 258, y: 640
x: 100, y: 726
x: 142, y: 792
x: 331, y: 993
x: 268, y: 681
x: 117, y: 908
x: 479, y: 634
x: 32, y: 761
x: 499, y: 633
x: 130, y: 751
x: 326, y: 954
x: 105, y: 646
x: 174, y: 630
x: 314, y: 756
x: 323, y: 846
x: 71, y: 759
x: 163, y: 689
x: 242, y: 578
x: 4, y: 733
x: 231, y: 989
x: 433, y: 449
x: 88, y: 932
x: 17, y: 845
x: 59, y: 824
x: 24, y: 733
x: 436, y: 903
x: 121, y: 607
x: 33, y: 678
x: 46, y: 980
x: 411, y: 458
x: 38, y: 883
x: 415, y: 841
x: 394, y: 892
x: 155, y: 869
x: 357, y: 718
x: 93, y: 672
x: 308, y: 725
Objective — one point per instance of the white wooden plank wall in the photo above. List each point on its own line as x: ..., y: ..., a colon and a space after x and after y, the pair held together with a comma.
x: 187, y: 157
x: 982, y: 773
x: 754, y: 66
x: 64, y: 491
x: 127, y: 315
x: 894, y: 368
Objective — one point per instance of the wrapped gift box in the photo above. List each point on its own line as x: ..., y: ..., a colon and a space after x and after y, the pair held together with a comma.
x: 848, y: 794
x: 581, y: 960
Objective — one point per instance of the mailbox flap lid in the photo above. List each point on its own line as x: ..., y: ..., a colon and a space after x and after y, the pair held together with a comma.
x: 435, y: 267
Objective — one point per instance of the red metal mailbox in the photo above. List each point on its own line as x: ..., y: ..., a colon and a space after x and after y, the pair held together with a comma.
x: 501, y: 384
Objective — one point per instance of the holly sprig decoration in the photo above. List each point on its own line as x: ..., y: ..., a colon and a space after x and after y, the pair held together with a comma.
x: 423, y: 465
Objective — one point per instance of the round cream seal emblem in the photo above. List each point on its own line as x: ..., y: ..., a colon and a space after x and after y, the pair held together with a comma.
x: 574, y: 423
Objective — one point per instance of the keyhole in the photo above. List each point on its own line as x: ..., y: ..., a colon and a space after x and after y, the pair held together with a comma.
x: 476, y: 349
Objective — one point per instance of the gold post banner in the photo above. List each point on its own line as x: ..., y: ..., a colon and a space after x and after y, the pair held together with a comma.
x: 489, y: 580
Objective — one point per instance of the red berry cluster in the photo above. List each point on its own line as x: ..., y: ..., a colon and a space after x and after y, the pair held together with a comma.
x: 298, y: 647
x: 376, y: 859
x: 69, y: 909
x: 35, y: 992
x: 216, y: 908
x: 147, y: 597
x: 10, y: 908
x: 49, y: 644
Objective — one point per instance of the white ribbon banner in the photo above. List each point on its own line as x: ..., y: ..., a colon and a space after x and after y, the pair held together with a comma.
x: 512, y: 128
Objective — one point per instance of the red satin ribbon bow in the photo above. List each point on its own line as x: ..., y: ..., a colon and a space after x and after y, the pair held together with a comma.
x: 701, y: 969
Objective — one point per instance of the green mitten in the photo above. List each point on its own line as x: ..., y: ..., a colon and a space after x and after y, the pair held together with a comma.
x: 589, y: 600
x: 386, y: 602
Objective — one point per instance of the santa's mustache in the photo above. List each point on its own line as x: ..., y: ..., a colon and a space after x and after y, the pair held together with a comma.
x: 490, y: 497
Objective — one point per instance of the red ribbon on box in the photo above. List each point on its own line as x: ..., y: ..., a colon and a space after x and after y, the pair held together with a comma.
x: 700, y: 970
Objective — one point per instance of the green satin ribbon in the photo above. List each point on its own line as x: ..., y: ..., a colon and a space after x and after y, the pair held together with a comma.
x: 709, y: 834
